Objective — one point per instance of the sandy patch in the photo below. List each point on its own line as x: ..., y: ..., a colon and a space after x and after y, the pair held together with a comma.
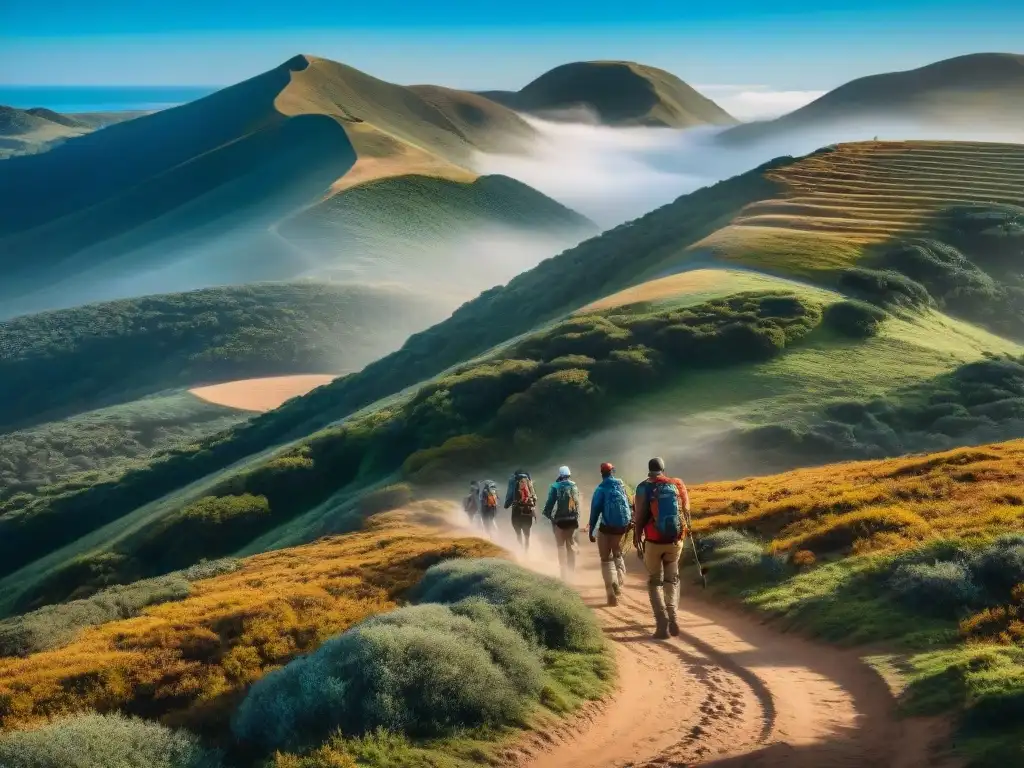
x: 692, y: 281
x: 261, y: 394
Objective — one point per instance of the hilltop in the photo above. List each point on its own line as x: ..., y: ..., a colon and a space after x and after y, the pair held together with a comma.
x: 33, y: 130
x: 977, y: 92
x: 619, y: 93
x: 198, y: 185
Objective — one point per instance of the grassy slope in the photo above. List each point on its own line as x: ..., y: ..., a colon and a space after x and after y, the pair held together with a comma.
x: 100, y: 445
x: 876, y: 530
x: 205, y: 336
x: 620, y: 93
x: 966, y: 92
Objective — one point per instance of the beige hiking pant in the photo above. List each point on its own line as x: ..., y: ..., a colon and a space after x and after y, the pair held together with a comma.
x: 662, y: 562
x: 613, y: 566
x: 565, y: 544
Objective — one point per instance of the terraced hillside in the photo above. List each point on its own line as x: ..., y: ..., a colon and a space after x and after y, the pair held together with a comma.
x: 833, y: 207
x: 618, y: 93
x: 198, y: 190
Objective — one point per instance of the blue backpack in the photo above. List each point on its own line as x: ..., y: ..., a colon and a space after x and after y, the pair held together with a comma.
x: 663, y: 501
x: 616, y: 511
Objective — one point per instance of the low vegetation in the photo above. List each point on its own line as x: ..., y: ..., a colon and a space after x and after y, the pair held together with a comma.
x: 487, y: 644
x: 104, y: 741
x: 189, y: 661
x: 977, y: 402
x: 100, y: 446
x: 183, y: 339
x: 302, y: 657
x: 925, y: 553
x: 555, y: 380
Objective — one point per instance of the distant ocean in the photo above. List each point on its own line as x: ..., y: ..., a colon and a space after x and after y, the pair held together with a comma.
x: 99, y: 98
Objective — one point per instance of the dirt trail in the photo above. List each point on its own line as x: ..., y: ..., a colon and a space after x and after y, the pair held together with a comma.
x: 729, y: 692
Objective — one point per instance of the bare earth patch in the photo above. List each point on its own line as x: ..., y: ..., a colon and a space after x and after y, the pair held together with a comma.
x: 261, y: 394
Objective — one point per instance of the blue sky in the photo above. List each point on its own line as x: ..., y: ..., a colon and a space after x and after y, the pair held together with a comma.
x: 777, y: 46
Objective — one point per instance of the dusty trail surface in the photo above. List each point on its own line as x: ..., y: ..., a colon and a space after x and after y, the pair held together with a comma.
x: 729, y: 692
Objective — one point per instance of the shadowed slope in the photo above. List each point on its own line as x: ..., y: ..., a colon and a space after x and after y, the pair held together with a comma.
x: 190, y: 196
x: 620, y: 93
x: 978, y: 91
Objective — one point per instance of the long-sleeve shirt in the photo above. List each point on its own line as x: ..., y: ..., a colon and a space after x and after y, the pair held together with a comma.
x: 642, y: 510
x: 549, y: 505
x: 598, y: 499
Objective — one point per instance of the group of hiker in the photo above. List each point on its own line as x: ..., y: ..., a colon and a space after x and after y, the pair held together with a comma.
x: 657, y: 515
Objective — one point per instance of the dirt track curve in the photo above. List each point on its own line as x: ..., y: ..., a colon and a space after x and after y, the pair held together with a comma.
x: 730, y: 692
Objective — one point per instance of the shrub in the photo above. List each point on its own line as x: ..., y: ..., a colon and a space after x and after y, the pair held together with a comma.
x: 856, y: 319
x: 839, y: 532
x: 941, y: 588
x: 543, y: 610
x: 883, y: 287
x: 450, y: 458
x: 803, y: 558
x: 423, y: 671
x: 718, y: 540
x: 1000, y: 566
x: 104, y: 741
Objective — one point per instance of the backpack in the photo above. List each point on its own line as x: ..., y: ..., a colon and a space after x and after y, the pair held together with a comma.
x: 524, y: 496
x: 565, y: 505
x: 489, y: 497
x: 616, y: 512
x: 663, y: 501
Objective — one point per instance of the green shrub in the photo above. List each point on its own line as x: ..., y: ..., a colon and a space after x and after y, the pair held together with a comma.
x: 942, y: 589
x: 543, y: 610
x: 56, y: 625
x: 999, y: 567
x: 422, y: 671
x: 856, y: 319
x: 104, y: 741
x: 883, y: 287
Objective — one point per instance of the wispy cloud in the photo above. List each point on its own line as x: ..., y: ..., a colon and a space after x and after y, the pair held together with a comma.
x: 757, y: 102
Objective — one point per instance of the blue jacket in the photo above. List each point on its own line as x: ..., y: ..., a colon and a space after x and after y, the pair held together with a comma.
x: 597, y: 501
x: 549, y: 506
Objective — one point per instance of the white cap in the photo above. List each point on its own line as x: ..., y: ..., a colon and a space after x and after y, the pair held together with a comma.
x: 563, y: 472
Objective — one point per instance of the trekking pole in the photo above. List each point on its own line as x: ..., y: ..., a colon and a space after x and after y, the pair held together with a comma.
x: 696, y: 559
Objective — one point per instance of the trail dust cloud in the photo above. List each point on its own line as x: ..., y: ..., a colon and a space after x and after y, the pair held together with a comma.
x: 614, y: 175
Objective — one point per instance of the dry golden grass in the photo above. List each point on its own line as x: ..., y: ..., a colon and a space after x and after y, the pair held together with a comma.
x: 260, y: 394
x: 188, y: 662
x: 875, y: 505
x: 865, y: 193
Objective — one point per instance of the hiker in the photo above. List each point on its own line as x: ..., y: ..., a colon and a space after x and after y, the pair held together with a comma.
x: 611, y: 505
x: 563, y: 510
x: 661, y: 520
x: 488, y: 506
x: 471, y: 504
x: 522, y: 500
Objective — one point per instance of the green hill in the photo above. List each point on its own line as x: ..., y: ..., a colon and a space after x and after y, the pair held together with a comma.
x: 27, y: 131
x: 197, y: 191
x: 619, y: 93
x: 981, y: 92
x: 64, y: 362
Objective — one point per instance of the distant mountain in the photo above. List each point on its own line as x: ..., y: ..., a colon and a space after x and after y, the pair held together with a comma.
x: 983, y: 91
x: 618, y: 93
x: 26, y: 131
x: 200, y: 194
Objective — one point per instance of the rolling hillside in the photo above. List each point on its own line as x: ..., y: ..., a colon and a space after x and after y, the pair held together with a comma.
x: 981, y: 92
x: 201, y: 337
x: 187, y: 205
x: 731, y: 323
x: 619, y: 93
x: 35, y: 130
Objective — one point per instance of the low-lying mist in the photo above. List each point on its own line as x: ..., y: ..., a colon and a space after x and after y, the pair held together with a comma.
x: 613, y: 175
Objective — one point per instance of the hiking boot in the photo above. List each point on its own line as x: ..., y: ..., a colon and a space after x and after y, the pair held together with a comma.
x: 658, y: 607
x: 613, y: 600
x: 617, y: 588
x: 661, y: 631
x: 671, y: 596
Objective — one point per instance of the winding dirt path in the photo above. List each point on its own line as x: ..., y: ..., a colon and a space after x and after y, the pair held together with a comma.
x: 730, y: 692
